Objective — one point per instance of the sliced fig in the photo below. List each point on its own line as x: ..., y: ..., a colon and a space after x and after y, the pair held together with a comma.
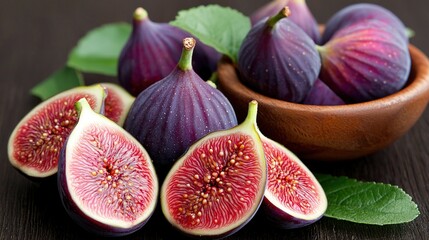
x: 302, y: 16
x: 294, y: 197
x: 218, y: 185
x: 117, y: 103
x: 106, y: 180
x: 365, y: 61
x: 35, y: 143
x: 177, y: 111
x: 278, y: 59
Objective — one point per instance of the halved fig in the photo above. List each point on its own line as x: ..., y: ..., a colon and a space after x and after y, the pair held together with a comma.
x: 106, y: 179
x: 118, y: 103
x: 35, y: 143
x: 294, y: 197
x: 218, y: 185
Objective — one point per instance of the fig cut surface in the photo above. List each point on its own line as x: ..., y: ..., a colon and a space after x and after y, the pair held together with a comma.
x: 215, y: 188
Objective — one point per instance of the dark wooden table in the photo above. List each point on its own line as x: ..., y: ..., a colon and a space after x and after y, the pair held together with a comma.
x: 35, y: 38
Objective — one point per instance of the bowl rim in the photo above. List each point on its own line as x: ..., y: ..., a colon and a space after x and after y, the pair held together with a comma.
x: 419, y: 86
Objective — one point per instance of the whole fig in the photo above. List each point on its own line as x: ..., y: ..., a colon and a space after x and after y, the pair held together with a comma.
x: 173, y: 113
x: 278, y: 59
x: 362, y: 12
x: 365, y: 61
x: 301, y: 16
x: 322, y: 95
x: 152, y: 52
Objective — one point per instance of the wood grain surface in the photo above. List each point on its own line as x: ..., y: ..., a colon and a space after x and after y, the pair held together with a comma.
x: 35, y: 38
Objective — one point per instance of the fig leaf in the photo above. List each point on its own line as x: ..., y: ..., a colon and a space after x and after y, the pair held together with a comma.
x: 98, y: 51
x: 61, y: 80
x: 367, y: 202
x: 222, y: 28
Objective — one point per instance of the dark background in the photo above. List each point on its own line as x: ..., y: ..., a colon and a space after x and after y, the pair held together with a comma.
x: 35, y: 38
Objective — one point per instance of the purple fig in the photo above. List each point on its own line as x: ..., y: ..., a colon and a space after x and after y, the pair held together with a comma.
x: 278, y: 59
x: 320, y: 94
x: 301, y: 16
x: 362, y: 12
x: 173, y: 113
x: 106, y: 179
x: 152, y: 52
x: 365, y: 61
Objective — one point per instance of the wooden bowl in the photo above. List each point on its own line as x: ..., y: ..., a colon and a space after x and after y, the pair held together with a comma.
x: 335, y: 132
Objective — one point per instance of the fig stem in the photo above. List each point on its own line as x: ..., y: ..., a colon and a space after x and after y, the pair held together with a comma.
x: 185, y: 62
x: 82, y: 105
x: 284, y: 13
x: 140, y: 14
x: 252, y: 113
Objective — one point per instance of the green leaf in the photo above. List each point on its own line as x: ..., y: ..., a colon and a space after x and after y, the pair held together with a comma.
x: 61, y: 80
x: 222, y: 28
x: 367, y: 202
x: 98, y: 51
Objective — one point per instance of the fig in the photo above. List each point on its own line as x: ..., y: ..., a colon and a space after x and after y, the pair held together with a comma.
x: 152, y: 52
x: 35, y: 143
x: 293, y: 198
x: 117, y: 103
x: 217, y: 186
x: 362, y: 12
x: 173, y: 113
x: 278, y: 59
x: 302, y: 16
x: 106, y: 179
x: 322, y: 95
x: 365, y: 61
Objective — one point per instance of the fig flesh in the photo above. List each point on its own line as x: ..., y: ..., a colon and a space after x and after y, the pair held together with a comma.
x: 117, y: 103
x: 106, y: 180
x: 217, y: 186
x: 365, y: 61
x: 359, y: 13
x: 302, y: 16
x: 175, y: 112
x: 278, y: 59
x: 293, y: 198
x: 322, y: 95
x: 152, y: 52
x: 35, y: 143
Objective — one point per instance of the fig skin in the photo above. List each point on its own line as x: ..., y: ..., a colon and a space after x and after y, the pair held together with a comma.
x: 175, y: 112
x: 301, y: 15
x: 82, y: 215
x: 278, y: 59
x: 365, y: 61
x: 288, y: 176
x: 217, y: 199
x: 117, y: 103
x: 322, y: 95
x: 42, y: 132
x: 152, y: 52
x: 362, y: 12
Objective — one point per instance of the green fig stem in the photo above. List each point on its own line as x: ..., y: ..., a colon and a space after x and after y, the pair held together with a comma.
x: 284, y: 13
x: 140, y: 14
x: 252, y: 113
x: 82, y: 105
x: 185, y: 62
